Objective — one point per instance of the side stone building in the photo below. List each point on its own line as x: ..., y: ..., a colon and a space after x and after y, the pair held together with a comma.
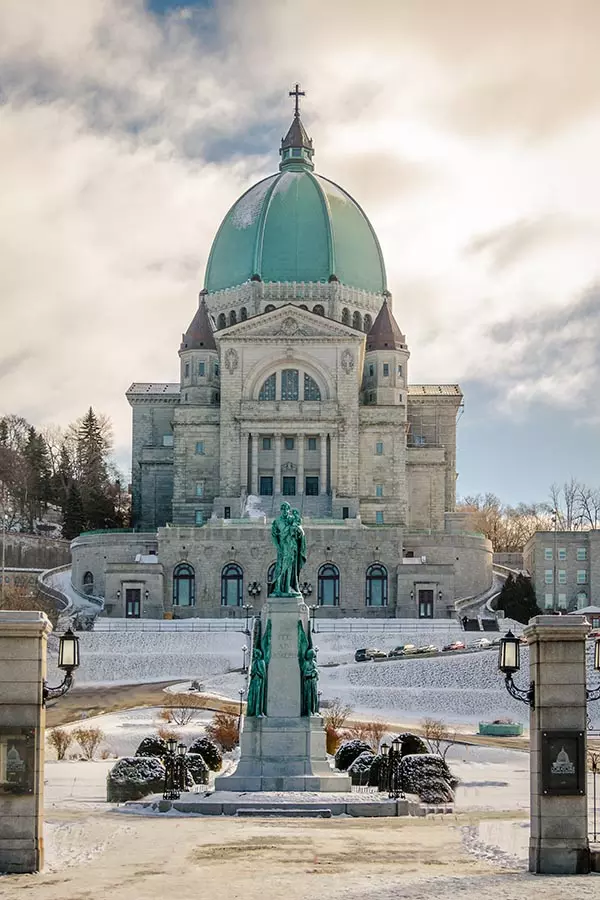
x: 293, y: 385
x: 565, y: 569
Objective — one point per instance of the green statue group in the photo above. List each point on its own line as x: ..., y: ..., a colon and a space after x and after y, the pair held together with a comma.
x: 289, y: 539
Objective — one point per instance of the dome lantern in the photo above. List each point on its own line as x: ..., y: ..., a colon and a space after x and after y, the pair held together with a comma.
x: 296, y: 147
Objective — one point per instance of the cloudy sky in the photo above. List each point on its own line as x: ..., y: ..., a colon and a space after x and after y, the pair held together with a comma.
x: 469, y: 131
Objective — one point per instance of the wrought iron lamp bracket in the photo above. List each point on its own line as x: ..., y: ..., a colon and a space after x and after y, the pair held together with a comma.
x: 52, y: 693
x: 593, y: 693
x: 522, y: 694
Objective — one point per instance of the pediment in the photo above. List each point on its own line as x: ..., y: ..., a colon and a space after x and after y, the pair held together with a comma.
x: 289, y: 323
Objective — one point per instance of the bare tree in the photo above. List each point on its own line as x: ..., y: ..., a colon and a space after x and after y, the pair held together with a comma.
x: 588, y: 502
x: 183, y: 708
x: 438, y: 735
x: 60, y: 739
x: 89, y: 739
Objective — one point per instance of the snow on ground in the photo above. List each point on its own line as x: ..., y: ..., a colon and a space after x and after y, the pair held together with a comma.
x: 123, y: 731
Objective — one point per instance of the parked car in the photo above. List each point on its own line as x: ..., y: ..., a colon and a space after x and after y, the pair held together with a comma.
x: 402, y: 650
x: 481, y: 644
x: 367, y: 653
x: 427, y: 648
x: 455, y: 645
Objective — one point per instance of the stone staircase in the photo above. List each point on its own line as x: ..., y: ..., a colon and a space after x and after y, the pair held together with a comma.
x: 318, y: 507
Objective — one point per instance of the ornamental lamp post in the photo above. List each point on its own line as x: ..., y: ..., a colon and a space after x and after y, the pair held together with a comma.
x: 247, y: 607
x: 509, y: 662
x: 170, y: 790
x: 313, y: 611
x: 241, y: 692
x: 181, y: 769
x: 68, y: 661
x: 244, y: 666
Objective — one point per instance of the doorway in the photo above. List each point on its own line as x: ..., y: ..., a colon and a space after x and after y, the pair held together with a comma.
x: 133, y: 603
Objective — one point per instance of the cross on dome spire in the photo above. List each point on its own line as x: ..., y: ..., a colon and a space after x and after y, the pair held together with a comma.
x: 297, y: 93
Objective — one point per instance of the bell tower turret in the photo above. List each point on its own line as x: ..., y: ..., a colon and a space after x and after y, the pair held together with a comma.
x: 199, y: 361
x: 386, y: 359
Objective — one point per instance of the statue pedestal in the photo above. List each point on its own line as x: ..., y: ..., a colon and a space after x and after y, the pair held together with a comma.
x: 284, y: 751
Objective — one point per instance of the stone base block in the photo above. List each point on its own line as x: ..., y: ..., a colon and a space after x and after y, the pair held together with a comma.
x: 20, y: 856
x: 283, y: 754
x: 553, y: 857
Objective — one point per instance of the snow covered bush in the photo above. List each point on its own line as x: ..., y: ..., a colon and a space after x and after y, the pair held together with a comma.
x: 134, y: 777
x: 360, y: 768
x: 375, y: 769
x: 153, y: 746
x: 209, y: 751
x: 197, y: 768
x: 428, y: 776
x: 347, y: 753
x: 411, y: 743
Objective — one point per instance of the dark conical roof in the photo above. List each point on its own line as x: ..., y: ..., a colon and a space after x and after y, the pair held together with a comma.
x: 385, y: 333
x: 297, y: 136
x: 199, y: 335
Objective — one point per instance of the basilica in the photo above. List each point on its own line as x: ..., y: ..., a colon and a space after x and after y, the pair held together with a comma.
x: 293, y: 386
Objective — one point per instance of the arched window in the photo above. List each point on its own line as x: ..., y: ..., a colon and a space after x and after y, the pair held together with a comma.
x: 582, y: 600
x: 289, y: 384
x: 232, y: 317
x: 318, y: 310
x: 377, y: 585
x: 269, y: 308
x: 184, y: 585
x: 88, y: 583
x: 345, y: 316
x: 270, y: 576
x: 243, y: 314
x: 311, y: 388
x: 222, y: 321
x: 367, y: 323
x: 357, y: 321
x: 303, y: 306
x: 232, y: 583
x: 329, y: 585
x: 267, y: 391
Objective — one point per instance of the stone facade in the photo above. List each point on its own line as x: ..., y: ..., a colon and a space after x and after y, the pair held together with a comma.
x: 565, y: 568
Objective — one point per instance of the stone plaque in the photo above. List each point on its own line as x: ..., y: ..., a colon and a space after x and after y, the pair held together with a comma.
x: 563, y: 763
x: 17, y: 760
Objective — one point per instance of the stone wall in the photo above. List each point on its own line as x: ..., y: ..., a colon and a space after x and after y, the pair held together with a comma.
x: 93, y: 552
x: 31, y: 551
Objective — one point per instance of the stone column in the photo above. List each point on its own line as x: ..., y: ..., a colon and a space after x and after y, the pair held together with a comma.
x: 277, y: 472
x: 558, y: 844
x: 23, y: 638
x: 300, y: 479
x: 254, y: 485
x: 244, y: 461
x: 323, y: 470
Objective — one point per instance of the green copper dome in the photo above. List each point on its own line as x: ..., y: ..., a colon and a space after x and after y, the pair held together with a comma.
x: 296, y: 226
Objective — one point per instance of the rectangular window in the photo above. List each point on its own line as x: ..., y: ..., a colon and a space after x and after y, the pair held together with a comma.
x: 201, y: 369
x: 311, y: 485
x: 187, y: 370
x: 562, y: 553
x: 581, y: 554
x: 289, y: 384
x: 548, y: 576
x: 200, y: 448
x: 312, y: 443
x: 399, y: 370
x: 289, y: 443
x: 199, y: 489
x: 581, y: 576
x: 167, y: 440
x: 266, y: 443
x: 217, y: 369
x: 379, y: 448
x: 562, y: 601
x: 371, y: 370
x: 199, y: 517
x: 548, y: 601
x: 227, y: 512
x: 547, y: 552
x: 379, y: 490
x: 379, y: 517
x: 289, y: 485
x: 386, y: 370
x: 562, y: 576
x: 266, y: 486
x: 345, y: 512
x: 372, y: 397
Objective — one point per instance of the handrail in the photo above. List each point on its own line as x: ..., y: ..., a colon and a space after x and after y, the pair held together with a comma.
x: 63, y: 602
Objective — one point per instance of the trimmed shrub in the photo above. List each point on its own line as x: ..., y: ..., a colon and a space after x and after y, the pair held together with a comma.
x: 411, y: 743
x: 347, y: 753
x: 428, y: 776
x: 152, y: 746
x: 209, y: 751
x: 374, y: 771
x: 332, y: 739
x: 197, y: 768
x: 134, y: 777
x: 360, y: 768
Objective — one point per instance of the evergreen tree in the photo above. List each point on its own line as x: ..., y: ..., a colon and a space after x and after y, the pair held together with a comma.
x: 73, y: 515
x: 517, y: 599
x: 38, y: 477
x: 92, y: 451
